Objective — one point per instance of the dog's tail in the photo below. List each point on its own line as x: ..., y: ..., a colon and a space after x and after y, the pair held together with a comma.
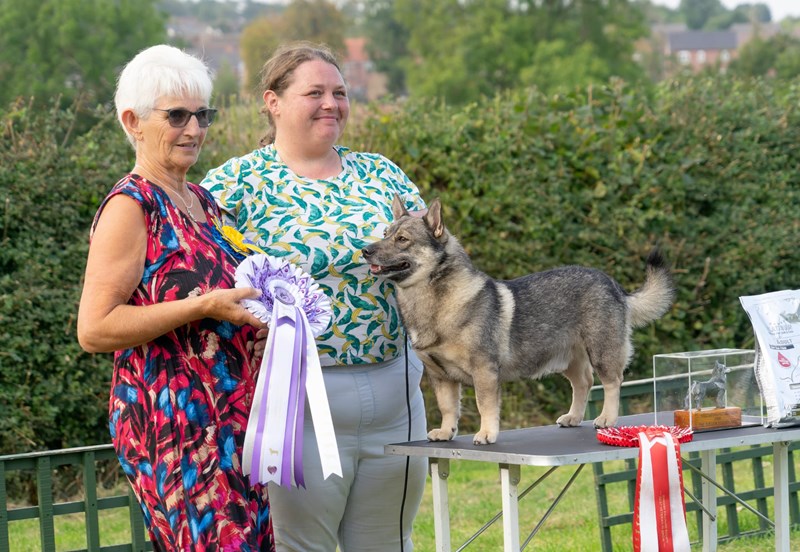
x: 656, y: 295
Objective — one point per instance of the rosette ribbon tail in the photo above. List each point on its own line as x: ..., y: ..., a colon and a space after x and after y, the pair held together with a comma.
x: 659, y: 517
x: 272, y: 428
x: 320, y: 409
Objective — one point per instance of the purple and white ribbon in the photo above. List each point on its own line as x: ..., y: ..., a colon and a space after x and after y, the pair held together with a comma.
x: 296, y: 311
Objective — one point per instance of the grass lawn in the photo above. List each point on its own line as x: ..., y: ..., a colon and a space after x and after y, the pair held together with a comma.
x: 474, y: 495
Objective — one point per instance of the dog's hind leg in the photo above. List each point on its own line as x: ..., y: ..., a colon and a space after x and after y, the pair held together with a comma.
x: 611, y: 385
x: 609, y: 361
x: 448, y: 397
x: 579, y: 374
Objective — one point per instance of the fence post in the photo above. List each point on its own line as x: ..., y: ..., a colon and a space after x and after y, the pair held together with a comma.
x: 3, y: 510
x: 44, y: 491
x: 90, y: 501
x: 137, y: 523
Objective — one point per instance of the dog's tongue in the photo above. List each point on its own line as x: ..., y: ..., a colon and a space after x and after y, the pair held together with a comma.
x: 375, y: 268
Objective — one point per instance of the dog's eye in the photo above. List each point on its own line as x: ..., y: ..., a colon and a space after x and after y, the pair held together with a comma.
x: 385, y: 232
x: 401, y: 239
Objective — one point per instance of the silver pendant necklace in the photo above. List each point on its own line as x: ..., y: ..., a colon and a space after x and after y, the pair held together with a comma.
x: 188, y: 205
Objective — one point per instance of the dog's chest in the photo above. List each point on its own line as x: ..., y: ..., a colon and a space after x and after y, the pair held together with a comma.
x: 442, y: 367
x: 444, y: 362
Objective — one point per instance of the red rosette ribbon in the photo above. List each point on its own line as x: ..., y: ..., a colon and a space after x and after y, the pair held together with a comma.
x: 628, y: 436
x: 659, y: 514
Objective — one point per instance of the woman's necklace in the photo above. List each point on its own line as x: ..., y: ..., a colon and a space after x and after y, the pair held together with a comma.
x: 138, y: 170
x: 188, y: 205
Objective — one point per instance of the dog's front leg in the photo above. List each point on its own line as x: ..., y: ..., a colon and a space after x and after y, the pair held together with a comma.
x: 487, y: 395
x: 448, y: 397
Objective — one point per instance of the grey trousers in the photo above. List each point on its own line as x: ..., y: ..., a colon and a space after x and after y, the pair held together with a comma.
x: 361, y: 511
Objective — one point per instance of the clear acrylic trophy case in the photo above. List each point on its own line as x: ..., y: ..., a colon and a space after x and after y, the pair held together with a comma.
x: 706, y: 390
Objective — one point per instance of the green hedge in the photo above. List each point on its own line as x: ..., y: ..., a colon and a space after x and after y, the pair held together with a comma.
x: 707, y: 169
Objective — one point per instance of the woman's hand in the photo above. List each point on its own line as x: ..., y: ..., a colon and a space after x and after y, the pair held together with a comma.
x: 224, y: 304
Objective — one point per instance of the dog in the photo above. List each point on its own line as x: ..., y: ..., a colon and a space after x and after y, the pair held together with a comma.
x: 468, y: 328
x: 713, y: 388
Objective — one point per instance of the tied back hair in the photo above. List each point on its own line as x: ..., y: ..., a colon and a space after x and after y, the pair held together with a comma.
x: 277, y: 73
x: 159, y: 71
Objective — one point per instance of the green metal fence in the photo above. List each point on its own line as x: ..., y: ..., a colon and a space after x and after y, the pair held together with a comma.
x: 728, y: 461
x: 42, y: 465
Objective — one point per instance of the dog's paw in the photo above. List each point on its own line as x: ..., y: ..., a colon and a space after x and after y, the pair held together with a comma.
x: 441, y: 434
x: 484, y: 438
x: 604, y: 421
x: 569, y: 420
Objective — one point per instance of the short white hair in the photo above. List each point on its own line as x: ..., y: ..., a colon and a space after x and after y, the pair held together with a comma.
x: 156, y: 72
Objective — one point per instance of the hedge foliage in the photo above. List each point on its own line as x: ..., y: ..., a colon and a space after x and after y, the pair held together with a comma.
x: 706, y: 169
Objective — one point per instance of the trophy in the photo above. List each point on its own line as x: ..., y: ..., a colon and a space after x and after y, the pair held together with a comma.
x: 714, y: 390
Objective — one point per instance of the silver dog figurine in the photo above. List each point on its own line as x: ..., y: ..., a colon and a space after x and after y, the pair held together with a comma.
x: 715, y: 387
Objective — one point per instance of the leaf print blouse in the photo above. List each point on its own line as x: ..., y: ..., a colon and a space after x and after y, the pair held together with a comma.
x: 321, y: 225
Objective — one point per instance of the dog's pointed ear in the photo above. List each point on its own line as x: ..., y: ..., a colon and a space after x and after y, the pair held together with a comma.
x: 398, y: 209
x: 433, y: 218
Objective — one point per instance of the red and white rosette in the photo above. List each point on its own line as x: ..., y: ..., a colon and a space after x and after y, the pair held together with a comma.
x: 659, y: 514
x: 297, y: 311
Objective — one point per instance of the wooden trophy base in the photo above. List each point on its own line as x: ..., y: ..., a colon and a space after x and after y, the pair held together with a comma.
x: 709, y: 418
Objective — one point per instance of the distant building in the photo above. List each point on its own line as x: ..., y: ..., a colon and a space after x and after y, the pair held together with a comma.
x: 671, y: 48
x: 220, y: 50
x: 697, y: 50
x: 363, y: 83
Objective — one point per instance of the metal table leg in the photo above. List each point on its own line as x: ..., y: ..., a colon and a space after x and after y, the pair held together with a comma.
x: 440, y: 471
x: 509, y: 478
x: 780, y: 468
x: 708, y: 463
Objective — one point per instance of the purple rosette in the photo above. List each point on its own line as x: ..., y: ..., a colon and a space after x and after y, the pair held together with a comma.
x: 279, y: 280
x: 296, y: 311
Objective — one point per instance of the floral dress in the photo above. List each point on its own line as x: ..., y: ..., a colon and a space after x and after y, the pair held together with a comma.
x: 180, y: 403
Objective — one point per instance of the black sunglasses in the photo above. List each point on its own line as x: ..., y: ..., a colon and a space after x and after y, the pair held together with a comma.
x: 179, y: 117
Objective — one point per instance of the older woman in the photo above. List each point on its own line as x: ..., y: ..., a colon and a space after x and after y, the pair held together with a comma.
x: 159, y: 291
x: 304, y: 198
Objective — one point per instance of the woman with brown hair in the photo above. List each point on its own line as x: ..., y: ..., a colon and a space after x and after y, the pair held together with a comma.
x: 304, y: 198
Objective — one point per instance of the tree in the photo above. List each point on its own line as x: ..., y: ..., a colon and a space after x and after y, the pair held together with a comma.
x: 787, y: 64
x: 317, y: 21
x: 698, y: 12
x: 387, y: 43
x: 259, y: 39
x: 557, y: 65
x: 313, y: 20
x: 461, y: 50
x: 71, y: 48
x: 756, y: 13
x: 775, y: 56
x: 226, y: 83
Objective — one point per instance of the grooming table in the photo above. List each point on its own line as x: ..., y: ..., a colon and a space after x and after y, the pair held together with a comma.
x: 556, y: 446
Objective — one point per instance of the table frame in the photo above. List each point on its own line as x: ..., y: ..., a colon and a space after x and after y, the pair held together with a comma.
x: 555, y: 446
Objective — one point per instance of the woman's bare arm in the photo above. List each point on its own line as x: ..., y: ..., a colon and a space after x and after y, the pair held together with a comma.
x: 113, y: 271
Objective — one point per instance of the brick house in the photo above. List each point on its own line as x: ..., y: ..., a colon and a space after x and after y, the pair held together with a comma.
x: 697, y: 50
x: 363, y: 83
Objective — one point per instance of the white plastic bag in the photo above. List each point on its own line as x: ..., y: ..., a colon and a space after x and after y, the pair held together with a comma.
x: 776, y: 323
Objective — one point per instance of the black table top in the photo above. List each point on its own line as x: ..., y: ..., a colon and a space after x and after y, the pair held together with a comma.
x: 556, y: 446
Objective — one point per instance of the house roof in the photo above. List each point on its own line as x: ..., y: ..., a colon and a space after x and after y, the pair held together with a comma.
x: 702, y: 40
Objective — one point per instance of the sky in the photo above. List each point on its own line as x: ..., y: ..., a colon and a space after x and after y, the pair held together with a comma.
x: 778, y: 8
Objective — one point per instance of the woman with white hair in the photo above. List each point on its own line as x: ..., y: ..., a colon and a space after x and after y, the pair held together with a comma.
x: 159, y: 292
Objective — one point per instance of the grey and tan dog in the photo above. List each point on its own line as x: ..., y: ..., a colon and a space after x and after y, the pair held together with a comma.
x: 469, y: 328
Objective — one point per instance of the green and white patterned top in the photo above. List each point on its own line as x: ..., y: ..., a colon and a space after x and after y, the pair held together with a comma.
x: 321, y: 226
